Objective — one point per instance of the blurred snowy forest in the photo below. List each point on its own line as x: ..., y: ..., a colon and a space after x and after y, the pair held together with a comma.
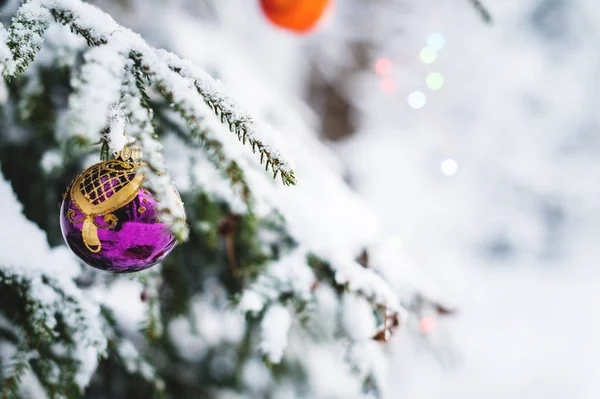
x: 469, y: 147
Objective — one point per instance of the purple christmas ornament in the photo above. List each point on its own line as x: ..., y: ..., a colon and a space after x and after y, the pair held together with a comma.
x: 111, y: 222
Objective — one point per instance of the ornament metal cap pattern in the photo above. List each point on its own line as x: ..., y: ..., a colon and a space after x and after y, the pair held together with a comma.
x: 100, y: 190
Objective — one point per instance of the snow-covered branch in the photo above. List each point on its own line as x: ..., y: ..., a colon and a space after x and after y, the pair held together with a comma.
x: 239, y: 122
x: 54, y: 314
x: 191, y: 108
x: 121, y: 58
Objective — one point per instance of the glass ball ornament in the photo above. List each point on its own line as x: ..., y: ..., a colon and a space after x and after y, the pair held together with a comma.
x: 111, y: 222
x: 300, y: 16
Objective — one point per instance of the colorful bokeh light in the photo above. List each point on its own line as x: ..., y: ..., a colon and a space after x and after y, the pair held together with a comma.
x: 449, y: 167
x: 435, y: 81
x: 436, y: 41
x: 416, y: 99
x: 428, y: 55
x: 427, y: 325
x: 383, y: 66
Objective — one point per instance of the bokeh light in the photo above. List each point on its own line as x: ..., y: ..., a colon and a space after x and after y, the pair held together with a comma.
x: 435, y: 81
x: 388, y: 85
x: 383, y: 66
x: 416, y: 99
x: 436, y: 41
x: 449, y: 167
x: 427, y: 325
x: 428, y: 55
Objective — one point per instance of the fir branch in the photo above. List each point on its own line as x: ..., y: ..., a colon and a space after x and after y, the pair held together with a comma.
x: 149, y: 67
x: 33, y: 19
x: 139, y: 115
x: 128, y: 355
x: 9, y: 389
x: 153, y: 329
x: 213, y: 147
x: 56, y: 374
x: 25, y: 36
x: 233, y: 172
x: 66, y: 17
x: 229, y: 113
x: 193, y: 94
x: 352, y: 277
x: 153, y: 325
x: 482, y: 10
x: 50, y: 314
x: 30, y: 93
x: 274, y: 329
x: 211, y: 91
x: 90, y: 108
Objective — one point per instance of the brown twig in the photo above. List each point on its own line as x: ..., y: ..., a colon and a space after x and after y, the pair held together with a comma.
x: 227, y: 228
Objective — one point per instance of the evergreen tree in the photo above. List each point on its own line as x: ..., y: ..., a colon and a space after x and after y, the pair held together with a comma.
x: 272, y: 291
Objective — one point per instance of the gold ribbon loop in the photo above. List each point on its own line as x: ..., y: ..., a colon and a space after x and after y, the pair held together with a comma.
x: 90, y: 235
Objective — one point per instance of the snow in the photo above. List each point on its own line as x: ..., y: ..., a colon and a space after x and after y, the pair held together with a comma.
x: 15, y: 248
x: 26, y: 32
x: 274, y: 332
x: 21, y: 264
x: 32, y: 387
x: 46, y: 302
x: 51, y: 160
x: 290, y: 274
x: 210, y: 323
x: 251, y: 302
x: 357, y: 317
x: 5, y: 53
x: 256, y: 376
x: 364, y: 281
x: 119, y: 292
x: 3, y: 91
x: 117, y: 138
x: 324, y: 322
x: 89, y: 106
x: 262, y: 135
x: 328, y: 377
x: 132, y: 361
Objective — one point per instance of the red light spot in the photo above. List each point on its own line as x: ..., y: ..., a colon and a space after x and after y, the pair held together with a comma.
x: 383, y: 66
x: 427, y: 325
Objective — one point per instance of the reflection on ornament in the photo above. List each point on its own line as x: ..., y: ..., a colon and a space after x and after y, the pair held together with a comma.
x: 295, y: 15
x: 105, y: 224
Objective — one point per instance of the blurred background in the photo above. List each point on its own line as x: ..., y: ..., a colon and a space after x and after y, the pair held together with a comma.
x: 477, y: 145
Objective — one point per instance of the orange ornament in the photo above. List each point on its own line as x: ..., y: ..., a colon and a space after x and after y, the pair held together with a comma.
x: 295, y: 15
